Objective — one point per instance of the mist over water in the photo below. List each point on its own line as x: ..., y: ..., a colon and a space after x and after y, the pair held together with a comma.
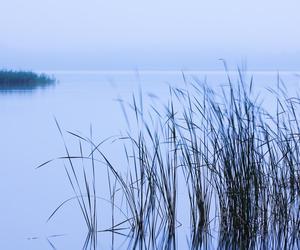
x: 119, y: 66
x: 116, y: 35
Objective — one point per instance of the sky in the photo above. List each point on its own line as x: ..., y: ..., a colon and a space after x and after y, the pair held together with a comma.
x: 154, y: 35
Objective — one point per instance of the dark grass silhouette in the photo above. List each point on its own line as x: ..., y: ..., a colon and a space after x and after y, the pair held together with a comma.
x: 224, y: 147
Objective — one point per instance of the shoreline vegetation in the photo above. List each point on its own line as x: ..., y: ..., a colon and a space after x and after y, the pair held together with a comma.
x: 24, y: 80
x: 237, y: 164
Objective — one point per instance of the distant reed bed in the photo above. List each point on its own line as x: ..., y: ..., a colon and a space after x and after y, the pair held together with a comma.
x: 220, y: 158
x: 10, y: 79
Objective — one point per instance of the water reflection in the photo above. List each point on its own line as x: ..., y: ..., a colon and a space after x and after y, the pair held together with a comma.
x: 230, y: 241
x: 26, y: 89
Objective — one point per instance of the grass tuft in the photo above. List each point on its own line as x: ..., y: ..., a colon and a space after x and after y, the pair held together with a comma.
x: 237, y: 166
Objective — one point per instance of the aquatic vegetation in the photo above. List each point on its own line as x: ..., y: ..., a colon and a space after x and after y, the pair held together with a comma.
x: 234, y: 163
x: 23, y: 80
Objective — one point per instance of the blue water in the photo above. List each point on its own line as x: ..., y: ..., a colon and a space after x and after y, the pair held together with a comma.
x: 29, y: 137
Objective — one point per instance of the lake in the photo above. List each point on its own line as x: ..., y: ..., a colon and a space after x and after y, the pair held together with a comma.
x: 81, y: 100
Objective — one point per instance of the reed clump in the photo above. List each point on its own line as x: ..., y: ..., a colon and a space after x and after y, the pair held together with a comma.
x: 237, y: 165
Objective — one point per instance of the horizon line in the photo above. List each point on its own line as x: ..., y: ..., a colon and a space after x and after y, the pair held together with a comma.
x: 150, y: 71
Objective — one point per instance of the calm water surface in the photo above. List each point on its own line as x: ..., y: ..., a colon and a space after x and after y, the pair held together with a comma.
x: 29, y: 137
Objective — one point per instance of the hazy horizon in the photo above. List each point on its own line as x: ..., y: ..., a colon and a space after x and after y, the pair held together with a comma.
x: 169, y: 35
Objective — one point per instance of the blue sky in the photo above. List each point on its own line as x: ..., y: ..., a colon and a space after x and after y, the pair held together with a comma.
x: 137, y: 34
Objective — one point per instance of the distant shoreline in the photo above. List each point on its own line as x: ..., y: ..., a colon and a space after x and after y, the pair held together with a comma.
x: 22, y: 80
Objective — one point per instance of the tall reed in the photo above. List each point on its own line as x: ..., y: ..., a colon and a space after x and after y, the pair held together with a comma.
x: 235, y: 163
